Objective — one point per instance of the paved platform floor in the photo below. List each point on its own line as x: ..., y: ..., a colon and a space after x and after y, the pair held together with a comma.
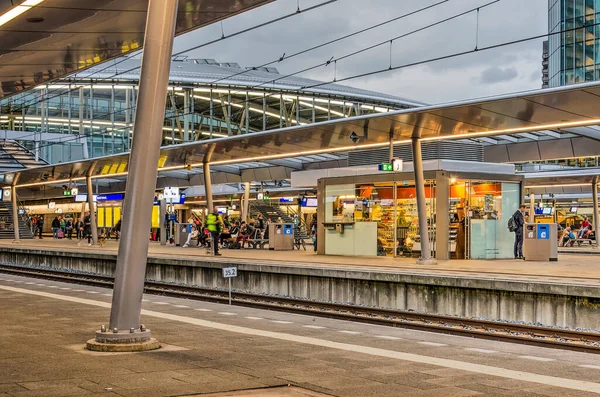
x: 570, y: 269
x: 213, y: 348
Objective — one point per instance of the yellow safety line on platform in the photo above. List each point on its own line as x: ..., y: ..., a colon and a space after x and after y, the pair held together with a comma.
x: 442, y: 362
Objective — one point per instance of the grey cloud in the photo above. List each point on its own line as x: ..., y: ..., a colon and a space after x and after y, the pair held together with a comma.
x: 497, y: 75
x: 502, y: 22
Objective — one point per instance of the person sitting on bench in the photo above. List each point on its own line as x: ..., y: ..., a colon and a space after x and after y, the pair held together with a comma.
x: 192, y: 236
x: 585, y: 226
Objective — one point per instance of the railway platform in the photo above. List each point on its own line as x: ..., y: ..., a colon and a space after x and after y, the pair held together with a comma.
x: 220, y: 350
x: 564, y: 293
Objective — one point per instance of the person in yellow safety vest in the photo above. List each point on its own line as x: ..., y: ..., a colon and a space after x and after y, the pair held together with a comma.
x: 214, y: 224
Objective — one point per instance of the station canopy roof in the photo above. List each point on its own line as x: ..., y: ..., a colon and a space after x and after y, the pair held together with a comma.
x: 567, y: 181
x: 43, y: 40
x: 572, y: 107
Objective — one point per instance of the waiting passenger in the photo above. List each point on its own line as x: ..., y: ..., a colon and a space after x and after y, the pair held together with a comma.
x: 585, y: 226
x: 568, y: 237
x: 69, y: 228
x: 87, y: 228
x: 55, y: 227
x: 214, y: 224
x: 192, y: 236
x: 79, y: 229
x: 118, y: 230
x: 243, y: 235
x: 40, y: 225
x: 260, y: 221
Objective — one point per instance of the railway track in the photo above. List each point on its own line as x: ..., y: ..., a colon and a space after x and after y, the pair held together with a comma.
x: 485, y: 329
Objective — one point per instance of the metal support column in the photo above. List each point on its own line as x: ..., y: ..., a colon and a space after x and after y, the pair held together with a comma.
x: 91, y: 118
x: 162, y: 221
x: 596, y: 216
x: 442, y: 225
x: 246, y: 201
x: 264, y: 112
x: 143, y: 169
x: 186, y: 116
x: 70, y: 102
x: 421, y: 202
x: 90, y: 197
x: 15, y: 212
x: 391, y: 138
x: 207, y: 186
x: 211, y: 122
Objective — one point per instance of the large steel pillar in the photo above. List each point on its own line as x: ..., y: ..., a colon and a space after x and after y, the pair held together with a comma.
x: 421, y: 202
x: 207, y: 186
x: 246, y: 207
x: 596, y: 217
x: 15, y: 212
x: 162, y: 221
x: 90, y: 198
x: 130, y: 272
x: 442, y: 223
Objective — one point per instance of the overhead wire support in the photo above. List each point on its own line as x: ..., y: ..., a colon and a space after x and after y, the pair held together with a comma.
x: 281, y: 59
x: 391, y: 43
x: 449, y: 56
x: 135, y: 53
x: 477, y: 32
x: 358, y: 52
x: 254, y: 27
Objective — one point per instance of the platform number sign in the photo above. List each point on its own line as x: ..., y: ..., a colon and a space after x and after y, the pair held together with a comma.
x: 229, y: 272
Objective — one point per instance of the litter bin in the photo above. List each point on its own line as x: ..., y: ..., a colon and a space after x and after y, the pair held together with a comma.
x: 540, y: 242
x: 281, y: 236
x: 182, y: 230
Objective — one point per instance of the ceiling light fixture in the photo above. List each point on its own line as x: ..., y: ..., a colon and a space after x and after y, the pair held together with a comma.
x: 18, y: 10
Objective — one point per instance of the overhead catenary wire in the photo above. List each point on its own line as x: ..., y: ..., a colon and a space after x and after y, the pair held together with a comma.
x: 499, y: 45
x: 254, y: 27
x: 449, y: 56
x: 352, y: 54
x: 457, y: 54
x: 271, y: 81
x: 62, y: 92
x: 280, y: 59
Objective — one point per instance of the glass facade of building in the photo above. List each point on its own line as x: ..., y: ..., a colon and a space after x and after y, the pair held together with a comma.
x: 574, y: 53
x: 466, y: 218
x: 74, y: 119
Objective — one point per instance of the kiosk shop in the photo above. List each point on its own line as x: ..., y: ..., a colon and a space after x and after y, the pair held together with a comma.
x: 376, y: 215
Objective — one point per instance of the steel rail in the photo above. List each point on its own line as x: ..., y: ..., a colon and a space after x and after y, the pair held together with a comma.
x: 484, y: 329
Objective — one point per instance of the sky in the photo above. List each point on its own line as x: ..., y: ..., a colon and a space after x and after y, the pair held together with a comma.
x: 482, y: 73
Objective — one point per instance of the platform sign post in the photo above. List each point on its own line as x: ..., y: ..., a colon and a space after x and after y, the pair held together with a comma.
x: 229, y: 273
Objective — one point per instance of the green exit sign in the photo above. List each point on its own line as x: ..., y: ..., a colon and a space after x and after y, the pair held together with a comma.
x: 386, y: 167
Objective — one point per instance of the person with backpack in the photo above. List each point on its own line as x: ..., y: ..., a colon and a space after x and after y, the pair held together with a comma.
x: 40, y: 225
x: 87, y: 228
x: 214, y: 224
x: 515, y: 225
x: 69, y: 228
x: 55, y: 226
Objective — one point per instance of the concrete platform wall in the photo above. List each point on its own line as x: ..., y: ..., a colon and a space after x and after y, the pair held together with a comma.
x: 548, y: 304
